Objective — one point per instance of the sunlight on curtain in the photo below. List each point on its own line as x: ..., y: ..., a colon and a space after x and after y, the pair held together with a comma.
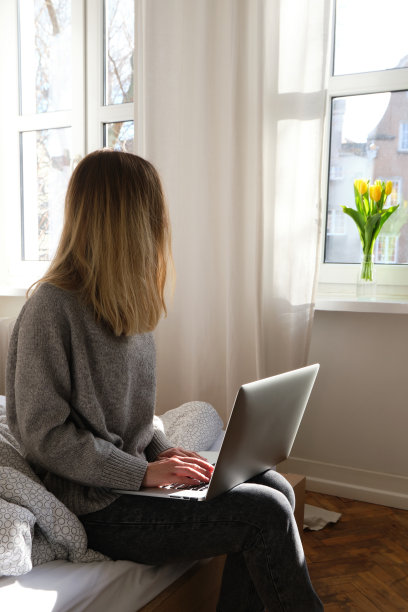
x: 230, y: 104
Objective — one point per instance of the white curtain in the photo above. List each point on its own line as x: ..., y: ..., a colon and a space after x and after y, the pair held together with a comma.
x: 230, y: 105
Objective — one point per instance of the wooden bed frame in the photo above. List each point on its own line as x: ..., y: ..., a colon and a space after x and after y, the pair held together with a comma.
x: 197, y: 590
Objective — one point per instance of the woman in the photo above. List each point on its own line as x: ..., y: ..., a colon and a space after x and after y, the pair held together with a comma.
x: 81, y: 398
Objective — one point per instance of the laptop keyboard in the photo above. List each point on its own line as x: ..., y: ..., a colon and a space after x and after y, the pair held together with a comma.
x: 176, y: 486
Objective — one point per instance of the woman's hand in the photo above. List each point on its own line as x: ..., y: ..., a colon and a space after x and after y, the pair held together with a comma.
x: 177, y: 465
x: 179, y: 452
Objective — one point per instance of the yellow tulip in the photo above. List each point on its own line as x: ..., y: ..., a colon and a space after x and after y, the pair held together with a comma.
x: 361, y: 186
x: 375, y: 192
x: 388, y: 188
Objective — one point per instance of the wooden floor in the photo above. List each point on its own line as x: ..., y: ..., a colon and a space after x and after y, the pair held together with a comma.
x: 361, y: 562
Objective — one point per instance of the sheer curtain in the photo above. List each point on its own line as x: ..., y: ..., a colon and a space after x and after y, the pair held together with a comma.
x: 230, y: 105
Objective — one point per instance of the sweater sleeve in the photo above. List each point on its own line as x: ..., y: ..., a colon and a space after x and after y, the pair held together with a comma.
x: 158, y: 444
x: 39, y: 410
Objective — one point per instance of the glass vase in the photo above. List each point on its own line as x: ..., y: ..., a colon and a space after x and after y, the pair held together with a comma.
x: 367, y: 280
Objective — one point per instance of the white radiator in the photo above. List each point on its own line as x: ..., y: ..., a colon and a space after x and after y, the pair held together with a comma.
x: 6, y: 327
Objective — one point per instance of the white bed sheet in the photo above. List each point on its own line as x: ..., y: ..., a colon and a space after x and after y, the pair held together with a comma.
x: 61, y: 586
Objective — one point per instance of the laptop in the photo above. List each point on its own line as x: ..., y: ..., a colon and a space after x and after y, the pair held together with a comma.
x: 260, y: 433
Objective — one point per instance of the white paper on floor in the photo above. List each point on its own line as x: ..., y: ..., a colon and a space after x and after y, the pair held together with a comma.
x: 317, y: 518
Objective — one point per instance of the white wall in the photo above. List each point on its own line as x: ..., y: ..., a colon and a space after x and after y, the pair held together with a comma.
x: 10, y: 306
x: 353, y: 439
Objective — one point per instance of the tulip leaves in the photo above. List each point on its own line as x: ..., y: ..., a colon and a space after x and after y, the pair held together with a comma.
x: 358, y: 218
x: 369, y: 214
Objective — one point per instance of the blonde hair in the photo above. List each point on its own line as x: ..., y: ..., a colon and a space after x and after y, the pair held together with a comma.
x: 115, y: 243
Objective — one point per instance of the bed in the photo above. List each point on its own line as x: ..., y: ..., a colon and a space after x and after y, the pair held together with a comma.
x: 45, y: 564
x: 44, y: 560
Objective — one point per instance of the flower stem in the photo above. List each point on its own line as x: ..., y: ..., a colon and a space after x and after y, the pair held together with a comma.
x: 367, y: 267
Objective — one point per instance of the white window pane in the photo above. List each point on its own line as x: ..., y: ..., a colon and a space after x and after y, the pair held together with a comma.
x: 119, y: 44
x: 403, y: 136
x: 119, y: 135
x: 46, y: 167
x: 370, y: 35
x: 369, y: 140
x: 45, y: 55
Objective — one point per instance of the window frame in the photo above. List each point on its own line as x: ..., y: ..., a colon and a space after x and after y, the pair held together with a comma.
x: 339, y: 279
x: 403, y: 137
x: 95, y: 80
x: 87, y: 119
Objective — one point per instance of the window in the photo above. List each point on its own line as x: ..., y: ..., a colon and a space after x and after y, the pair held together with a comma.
x: 368, y: 135
x: 70, y: 77
x: 403, y: 136
x: 386, y: 249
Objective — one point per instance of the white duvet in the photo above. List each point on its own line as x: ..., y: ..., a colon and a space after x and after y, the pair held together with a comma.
x: 35, y: 527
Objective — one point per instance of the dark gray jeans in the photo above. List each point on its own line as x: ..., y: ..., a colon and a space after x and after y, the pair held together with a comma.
x: 253, y: 524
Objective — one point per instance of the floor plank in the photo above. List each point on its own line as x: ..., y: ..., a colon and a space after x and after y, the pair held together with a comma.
x: 359, y: 564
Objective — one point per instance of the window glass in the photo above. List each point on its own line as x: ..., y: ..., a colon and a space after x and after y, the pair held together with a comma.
x: 47, y: 30
x: 45, y: 51
x: 403, y: 136
x: 369, y: 140
x: 119, y: 135
x: 370, y: 35
x: 119, y: 44
x: 45, y: 169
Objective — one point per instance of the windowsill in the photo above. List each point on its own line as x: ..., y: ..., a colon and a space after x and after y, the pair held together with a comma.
x: 337, y: 289
x: 8, y: 291
x: 347, y: 303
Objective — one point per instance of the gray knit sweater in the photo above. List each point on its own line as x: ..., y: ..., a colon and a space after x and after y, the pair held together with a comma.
x: 81, y: 400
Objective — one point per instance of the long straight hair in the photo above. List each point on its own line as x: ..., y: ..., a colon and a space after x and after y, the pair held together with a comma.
x: 115, y: 244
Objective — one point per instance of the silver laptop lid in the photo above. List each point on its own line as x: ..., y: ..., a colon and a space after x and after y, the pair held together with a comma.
x: 262, y: 427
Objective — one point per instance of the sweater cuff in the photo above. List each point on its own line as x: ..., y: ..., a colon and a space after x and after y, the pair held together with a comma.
x: 124, y: 471
x: 158, y: 444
